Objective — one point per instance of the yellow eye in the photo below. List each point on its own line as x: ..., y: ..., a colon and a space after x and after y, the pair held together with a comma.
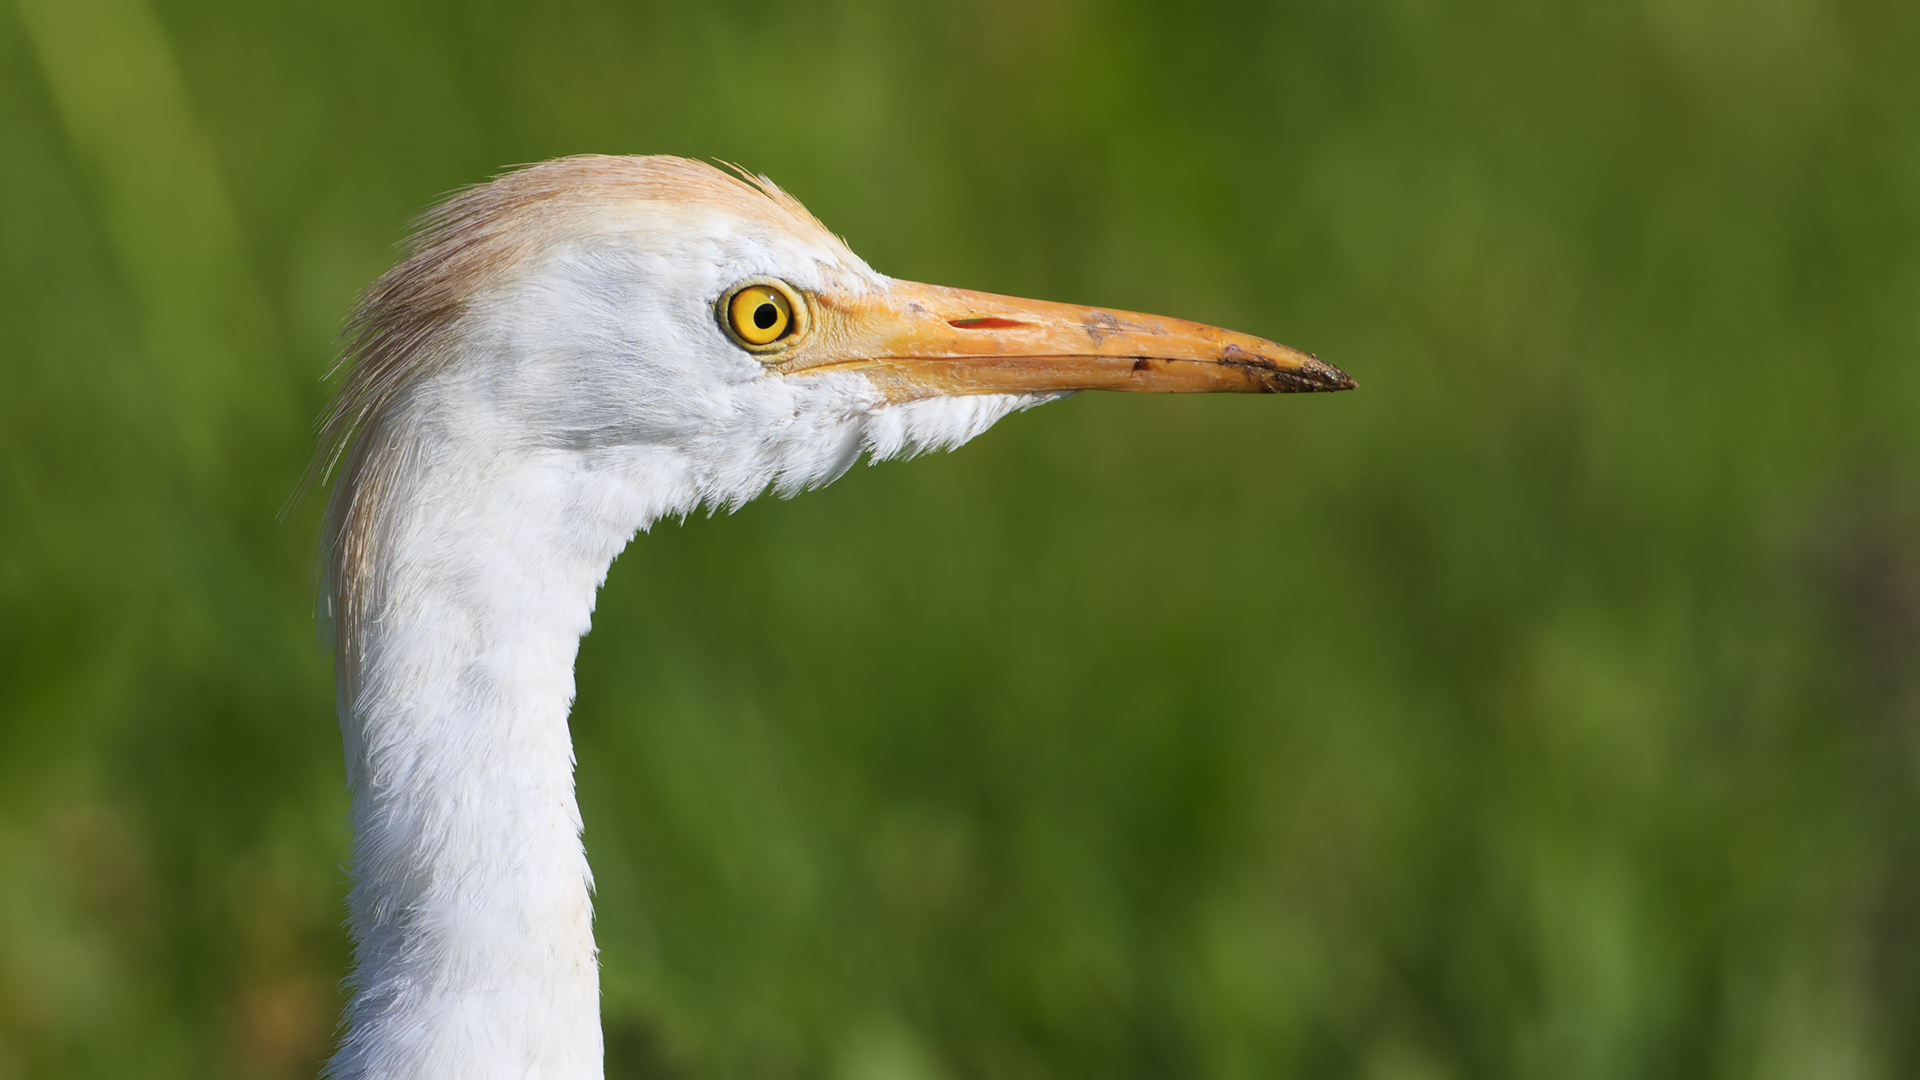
x: 760, y: 314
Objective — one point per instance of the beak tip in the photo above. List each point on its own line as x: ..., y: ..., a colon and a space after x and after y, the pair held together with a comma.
x: 1310, y: 375
x: 1277, y: 369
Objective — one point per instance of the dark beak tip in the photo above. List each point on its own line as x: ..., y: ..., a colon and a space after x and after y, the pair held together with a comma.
x: 1313, y: 376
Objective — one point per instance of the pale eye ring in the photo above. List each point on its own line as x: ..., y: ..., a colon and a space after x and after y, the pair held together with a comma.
x: 763, y: 314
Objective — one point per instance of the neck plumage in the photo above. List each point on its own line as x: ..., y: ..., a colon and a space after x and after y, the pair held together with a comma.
x: 471, y: 906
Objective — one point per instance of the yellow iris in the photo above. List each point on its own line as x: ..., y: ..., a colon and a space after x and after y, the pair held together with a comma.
x: 760, y: 314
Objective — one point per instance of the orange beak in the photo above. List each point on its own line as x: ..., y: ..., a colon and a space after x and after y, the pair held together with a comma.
x: 918, y: 341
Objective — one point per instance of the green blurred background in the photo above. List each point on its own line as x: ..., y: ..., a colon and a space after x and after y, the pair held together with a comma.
x: 1547, y: 708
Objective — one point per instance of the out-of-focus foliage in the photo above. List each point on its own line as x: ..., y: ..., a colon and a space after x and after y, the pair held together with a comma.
x: 1549, y: 707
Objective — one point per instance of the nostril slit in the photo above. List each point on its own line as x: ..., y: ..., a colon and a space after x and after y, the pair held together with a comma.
x: 984, y: 323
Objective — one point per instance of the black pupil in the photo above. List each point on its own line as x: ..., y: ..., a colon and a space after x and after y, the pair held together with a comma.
x: 765, y: 315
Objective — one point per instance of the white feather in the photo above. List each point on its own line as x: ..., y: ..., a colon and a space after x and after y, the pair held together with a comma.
x: 580, y: 402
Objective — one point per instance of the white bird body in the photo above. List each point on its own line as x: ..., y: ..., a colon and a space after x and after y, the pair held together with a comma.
x: 544, y: 377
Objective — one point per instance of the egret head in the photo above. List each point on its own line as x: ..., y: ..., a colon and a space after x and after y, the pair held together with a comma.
x: 684, y: 337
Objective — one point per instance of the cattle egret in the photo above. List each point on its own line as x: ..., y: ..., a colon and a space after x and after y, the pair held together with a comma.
x: 568, y: 354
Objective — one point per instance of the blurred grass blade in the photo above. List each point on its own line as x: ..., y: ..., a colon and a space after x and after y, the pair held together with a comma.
x: 172, y: 225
